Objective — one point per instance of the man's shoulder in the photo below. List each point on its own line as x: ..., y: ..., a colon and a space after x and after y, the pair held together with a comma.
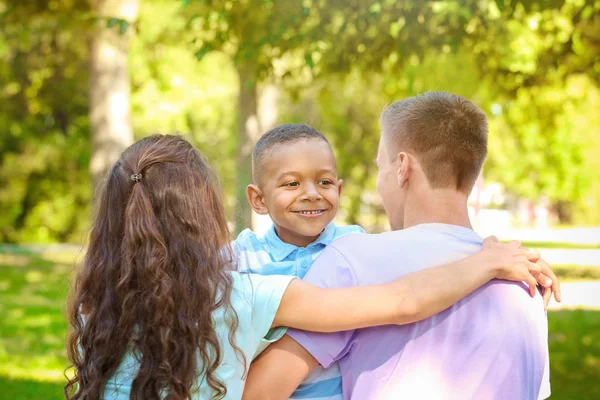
x: 345, y: 250
x: 359, y: 252
x: 360, y: 240
x: 341, y: 231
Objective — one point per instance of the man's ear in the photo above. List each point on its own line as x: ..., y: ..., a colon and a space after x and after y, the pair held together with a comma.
x: 404, y: 168
x: 256, y: 199
x: 340, y: 182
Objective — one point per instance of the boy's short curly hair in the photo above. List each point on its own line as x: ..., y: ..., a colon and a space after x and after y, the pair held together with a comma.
x: 281, y: 134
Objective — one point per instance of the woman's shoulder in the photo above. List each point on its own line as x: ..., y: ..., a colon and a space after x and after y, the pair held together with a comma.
x: 242, y: 282
x: 253, y: 287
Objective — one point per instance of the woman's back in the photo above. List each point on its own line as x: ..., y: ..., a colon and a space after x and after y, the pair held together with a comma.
x: 154, y: 277
x: 255, y: 299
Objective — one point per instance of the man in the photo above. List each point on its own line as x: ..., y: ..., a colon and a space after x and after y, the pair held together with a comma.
x: 490, y: 345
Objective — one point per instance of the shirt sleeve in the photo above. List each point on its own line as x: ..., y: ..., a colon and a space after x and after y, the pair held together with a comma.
x: 239, y: 249
x: 249, y: 253
x: 330, y: 270
x: 267, y: 292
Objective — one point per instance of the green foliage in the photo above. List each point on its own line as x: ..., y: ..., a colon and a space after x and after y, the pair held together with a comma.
x: 346, y: 108
x: 533, y: 66
x: 173, y: 92
x: 543, y: 141
x: 541, y: 60
x: 44, y: 190
x: 251, y: 32
x: 531, y: 43
x: 538, y: 130
x: 510, y: 47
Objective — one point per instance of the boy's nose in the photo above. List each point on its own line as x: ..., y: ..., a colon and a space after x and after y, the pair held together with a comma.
x: 311, y: 193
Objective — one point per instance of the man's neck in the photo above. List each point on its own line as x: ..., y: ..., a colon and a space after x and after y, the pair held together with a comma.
x: 437, y: 206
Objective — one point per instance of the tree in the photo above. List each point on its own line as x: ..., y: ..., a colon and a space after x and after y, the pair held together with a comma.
x: 346, y: 108
x: 539, y: 56
x: 110, y: 115
x: 45, y: 153
x: 530, y: 43
x: 44, y: 190
x: 252, y: 33
x: 327, y: 35
x: 529, y: 54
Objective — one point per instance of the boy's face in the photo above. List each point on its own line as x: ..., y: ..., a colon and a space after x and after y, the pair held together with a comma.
x: 300, y: 189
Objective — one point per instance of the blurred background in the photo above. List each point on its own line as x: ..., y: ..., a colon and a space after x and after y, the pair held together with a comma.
x: 80, y: 80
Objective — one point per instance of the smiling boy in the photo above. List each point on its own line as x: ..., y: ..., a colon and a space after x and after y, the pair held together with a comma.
x: 295, y: 182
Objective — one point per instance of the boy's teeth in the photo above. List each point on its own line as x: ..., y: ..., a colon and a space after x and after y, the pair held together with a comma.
x: 310, y: 212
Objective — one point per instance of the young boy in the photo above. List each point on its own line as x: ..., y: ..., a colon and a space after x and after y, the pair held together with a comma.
x: 295, y: 182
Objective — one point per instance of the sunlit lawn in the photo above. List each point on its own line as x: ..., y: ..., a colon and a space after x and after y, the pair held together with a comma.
x: 568, y: 273
x: 560, y: 245
x: 34, y: 286
x: 33, y: 289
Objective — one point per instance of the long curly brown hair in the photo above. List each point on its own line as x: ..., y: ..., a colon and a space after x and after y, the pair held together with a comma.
x: 154, y: 273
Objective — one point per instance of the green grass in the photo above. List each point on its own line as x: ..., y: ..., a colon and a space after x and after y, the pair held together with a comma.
x: 560, y: 245
x: 33, y: 289
x: 576, y: 273
x: 30, y: 389
x: 574, y: 340
x: 34, y: 286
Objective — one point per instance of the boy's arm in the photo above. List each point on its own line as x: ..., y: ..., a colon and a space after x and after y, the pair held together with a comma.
x: 278, y: 371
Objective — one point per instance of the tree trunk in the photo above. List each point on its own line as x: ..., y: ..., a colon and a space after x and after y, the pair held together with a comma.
x: 268, y: 100
x: 257, y: 113
x: 564, y: 212
x: 110, y: 113
x: 249, y: 130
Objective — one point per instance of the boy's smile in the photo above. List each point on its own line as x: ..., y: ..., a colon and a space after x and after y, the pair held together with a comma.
x: 299, y: 189
x: 311, y: 213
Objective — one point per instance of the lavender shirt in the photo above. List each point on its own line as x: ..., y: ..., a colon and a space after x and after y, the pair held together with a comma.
x: 490, y: 345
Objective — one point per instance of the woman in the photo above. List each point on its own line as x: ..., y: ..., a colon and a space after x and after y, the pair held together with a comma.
x: 157, y: 311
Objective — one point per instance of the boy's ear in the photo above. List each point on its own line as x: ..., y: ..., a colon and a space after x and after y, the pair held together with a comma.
x: 340, y: 182
x: 256, y: 199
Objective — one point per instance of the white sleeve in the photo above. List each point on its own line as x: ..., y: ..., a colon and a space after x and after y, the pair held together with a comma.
x: 544, y: 392
x: 545, y: 388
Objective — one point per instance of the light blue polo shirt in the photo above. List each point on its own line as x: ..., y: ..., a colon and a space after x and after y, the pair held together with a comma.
x: 255, y: 300
x: 269, y: 255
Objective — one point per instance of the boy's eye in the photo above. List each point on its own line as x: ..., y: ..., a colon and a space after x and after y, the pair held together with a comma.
x: 325, y: 182
x: 291, y: 184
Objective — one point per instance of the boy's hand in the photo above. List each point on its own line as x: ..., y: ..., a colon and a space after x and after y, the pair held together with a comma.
x: 517, y: 263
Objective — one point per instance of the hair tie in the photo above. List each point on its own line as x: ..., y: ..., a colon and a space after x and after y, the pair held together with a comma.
x: 136, y: 177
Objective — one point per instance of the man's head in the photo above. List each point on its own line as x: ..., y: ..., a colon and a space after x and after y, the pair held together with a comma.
x: 295, y: 182
x: 435, y: 141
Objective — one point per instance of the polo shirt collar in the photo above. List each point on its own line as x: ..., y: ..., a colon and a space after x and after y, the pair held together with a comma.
x: 280, y: 250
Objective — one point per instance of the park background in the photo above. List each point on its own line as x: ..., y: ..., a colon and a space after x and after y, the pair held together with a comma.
x: 82, y: 79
